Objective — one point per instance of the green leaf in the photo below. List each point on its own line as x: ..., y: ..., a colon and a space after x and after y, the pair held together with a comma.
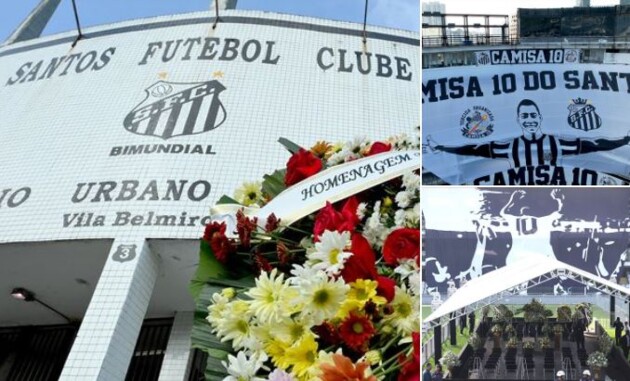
x: 273, y: 184
x: 209, y: 268
x: 226, y: 200
x: 203, y: 338
x: 289, y: 145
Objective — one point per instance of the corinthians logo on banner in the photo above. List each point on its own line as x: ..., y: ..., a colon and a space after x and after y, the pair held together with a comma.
x: 176, y: 109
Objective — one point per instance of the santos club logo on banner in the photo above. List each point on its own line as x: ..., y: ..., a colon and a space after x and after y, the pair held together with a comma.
x: 527, y: 124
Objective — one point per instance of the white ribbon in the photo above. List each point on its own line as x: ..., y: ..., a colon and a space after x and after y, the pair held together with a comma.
x: 334, y: 184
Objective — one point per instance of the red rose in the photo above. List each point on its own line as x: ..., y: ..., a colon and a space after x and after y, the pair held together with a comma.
x: 361, y: 265
x: 301, y: 165
x: 402, y: 243
x: 379, y: 147
x: 386, y: 288
x: 349, y: 212
x: 327, y: 219
x: 330, y: 219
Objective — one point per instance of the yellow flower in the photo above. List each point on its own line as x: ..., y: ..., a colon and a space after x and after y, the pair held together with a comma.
x: 361, y: 292
x: 302, y: 355
x: 349, y: 305
x: 277, y: 350
x: 228, y: 293
x: 320, y: 148
x: 336, y: 147
x: 364, y: 290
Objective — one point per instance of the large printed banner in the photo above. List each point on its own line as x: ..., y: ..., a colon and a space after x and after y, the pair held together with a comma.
x: 527, y: 124
x: 470, y: 231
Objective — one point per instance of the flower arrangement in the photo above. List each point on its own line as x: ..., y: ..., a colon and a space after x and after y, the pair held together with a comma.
x: 597, y: 360
x: 333, y: 294
x: 449, y: 360
x: 475, y: 341
x: 497, y: 330
x: 510, y: 330
x: 605, y: 343
x: 528, y: 345
x: 512, y: 342
x: 545, y: 343
x: 564, y: 313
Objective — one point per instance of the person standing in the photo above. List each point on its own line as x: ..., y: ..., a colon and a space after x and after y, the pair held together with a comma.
x: 578, y: 328
x: 438, y: 375
x: 586, y: 375
x: 462, y: 322
x: 618, y: 330
x: 471, y: 323
x: 626, y: 339
x: 426, y: 376
x: 625, y: 347
x: 560, y: 376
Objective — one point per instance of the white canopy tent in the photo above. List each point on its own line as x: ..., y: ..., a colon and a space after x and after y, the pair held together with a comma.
x: 515, y: 278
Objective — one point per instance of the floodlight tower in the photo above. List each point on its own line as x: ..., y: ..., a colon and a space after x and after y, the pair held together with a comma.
x: 224, y: 4
x: 34, y: 23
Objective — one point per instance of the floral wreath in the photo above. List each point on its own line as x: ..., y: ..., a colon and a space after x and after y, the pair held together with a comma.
x: 334, y: 295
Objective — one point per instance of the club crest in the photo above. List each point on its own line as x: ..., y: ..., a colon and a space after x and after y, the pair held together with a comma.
x: 177, y: 109
x: 582, y: 115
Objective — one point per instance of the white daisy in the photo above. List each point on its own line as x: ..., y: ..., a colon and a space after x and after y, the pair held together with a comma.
x: 330, y: 252
x: 406, y: 312
x: 235, y: 323
x: 321, y: 297
x: 241, y: 368
x: 271, y: 297
x: 249, y: 194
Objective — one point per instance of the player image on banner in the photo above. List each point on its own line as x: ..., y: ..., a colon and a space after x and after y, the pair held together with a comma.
x: 470, y: 232
x: 533, y: 148
x: 571, y: 124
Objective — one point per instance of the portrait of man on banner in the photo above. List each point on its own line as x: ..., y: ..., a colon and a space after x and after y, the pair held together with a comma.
x: 534, y: 150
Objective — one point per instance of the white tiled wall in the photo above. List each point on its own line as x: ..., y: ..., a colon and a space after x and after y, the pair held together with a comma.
x: 176, y: 359
x: 58, y: 132
x: 103, y: 347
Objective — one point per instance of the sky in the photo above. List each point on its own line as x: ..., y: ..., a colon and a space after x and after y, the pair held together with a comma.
x: 399, y: 14
x: 508, y: 7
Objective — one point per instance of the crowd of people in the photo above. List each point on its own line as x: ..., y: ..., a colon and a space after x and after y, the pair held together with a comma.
x: 586, y: 376
x: 436, y: 375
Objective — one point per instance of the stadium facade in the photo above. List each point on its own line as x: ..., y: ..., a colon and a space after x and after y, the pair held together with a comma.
x: 115, y: 148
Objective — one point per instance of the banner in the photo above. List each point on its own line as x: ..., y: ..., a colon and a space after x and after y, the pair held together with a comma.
x: 471, y: 231
x: 527, y: 124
